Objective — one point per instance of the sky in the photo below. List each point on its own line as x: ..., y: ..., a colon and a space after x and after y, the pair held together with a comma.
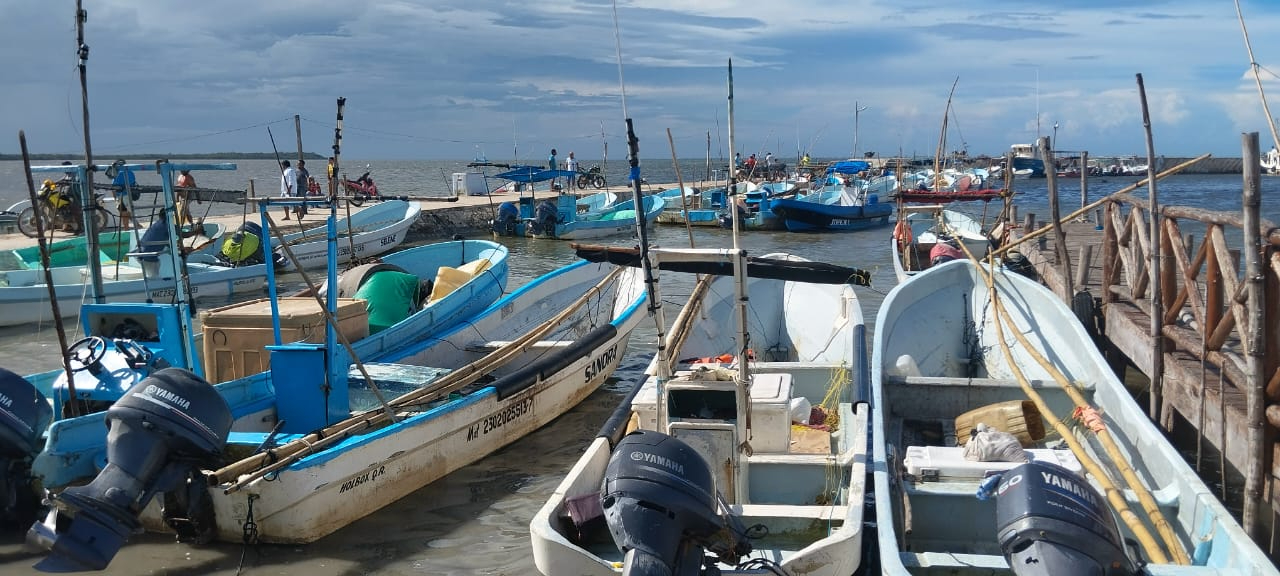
x: 455, y: 79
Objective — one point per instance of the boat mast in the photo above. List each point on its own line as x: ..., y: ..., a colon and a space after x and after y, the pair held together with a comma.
x: 742, y: 391
x: 86, y: 186
x: 942, y: 137
x: 1253, y: 65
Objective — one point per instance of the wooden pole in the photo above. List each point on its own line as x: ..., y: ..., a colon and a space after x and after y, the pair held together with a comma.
x: 1109, y: 255
x: 1153, y: 267
x: 1255, y: 381
x: 1059, y: 235
x: 86, y: 187
x: 1082, y: 272
x: 684, y: 202
x: 1084, y: 179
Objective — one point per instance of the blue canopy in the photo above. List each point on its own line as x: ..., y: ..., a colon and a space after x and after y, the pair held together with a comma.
x: 848, y: 167
x: 529, y: 174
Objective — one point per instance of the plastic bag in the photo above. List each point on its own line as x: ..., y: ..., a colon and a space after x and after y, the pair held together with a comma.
x: 990, y: 445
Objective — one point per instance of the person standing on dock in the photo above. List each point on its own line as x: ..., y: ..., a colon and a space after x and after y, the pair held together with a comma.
x: 301, y: 188
x: 181, y: 199
x: 571, y: 164
x: 288, y: 181
x: 124, y: 182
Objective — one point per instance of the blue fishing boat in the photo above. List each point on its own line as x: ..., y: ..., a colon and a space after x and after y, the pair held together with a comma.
x: 841, y: 204
x: 561, y: 216
x: 755, y: 211
x: 337, y: 453
x: 699, y: 208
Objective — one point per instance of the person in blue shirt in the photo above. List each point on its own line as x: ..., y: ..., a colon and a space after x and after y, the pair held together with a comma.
x: 551, y: 160
x: 124, y: 183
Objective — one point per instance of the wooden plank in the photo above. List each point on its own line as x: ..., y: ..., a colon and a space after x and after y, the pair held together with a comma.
x: 1142, y: 275
x: 1238, y: 315
x: 1190, y: 291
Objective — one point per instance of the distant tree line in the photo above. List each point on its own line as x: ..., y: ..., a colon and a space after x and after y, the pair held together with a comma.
x: 105, y: 159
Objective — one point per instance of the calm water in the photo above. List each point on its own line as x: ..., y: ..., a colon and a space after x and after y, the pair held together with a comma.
x: 475, y: 521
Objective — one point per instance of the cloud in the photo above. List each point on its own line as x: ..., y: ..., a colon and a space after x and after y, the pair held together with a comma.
x: 434, y: 78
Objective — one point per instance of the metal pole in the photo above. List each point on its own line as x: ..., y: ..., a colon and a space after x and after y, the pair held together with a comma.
x: 1153, y: 269
x: 86, y: 184
x: 1256, y: 345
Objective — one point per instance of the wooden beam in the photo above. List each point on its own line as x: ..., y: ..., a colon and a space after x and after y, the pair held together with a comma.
x: 1268, y: 230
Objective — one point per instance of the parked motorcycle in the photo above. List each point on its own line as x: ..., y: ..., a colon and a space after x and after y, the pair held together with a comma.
x: 593, y: 177
x: 360, y: 189
x: 58, y: 207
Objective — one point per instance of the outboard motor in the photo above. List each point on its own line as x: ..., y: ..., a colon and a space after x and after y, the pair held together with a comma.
x: 1051, y: 521
x: 545, y: 217
x: 660, y: 504
x: 505, y: 222
x: 159, y: 435
x: 24, y: 416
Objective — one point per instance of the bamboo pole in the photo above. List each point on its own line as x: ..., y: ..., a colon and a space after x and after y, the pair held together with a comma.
x: 1255, y: 384
x: 1084, y: 178
x: 1113, y: 494
x: 1099, y: 202
x: 249, y: 469
x: 684, y: 202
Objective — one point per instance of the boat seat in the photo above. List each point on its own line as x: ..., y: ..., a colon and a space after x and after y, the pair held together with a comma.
x: 492, y: 345
x: 789, y: 511
x: 948, y: 462
x: 972, y: 382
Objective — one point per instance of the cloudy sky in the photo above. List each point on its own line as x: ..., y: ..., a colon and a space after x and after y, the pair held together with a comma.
x: 450, y: 79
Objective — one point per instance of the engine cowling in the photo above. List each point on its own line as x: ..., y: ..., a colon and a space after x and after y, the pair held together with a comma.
x: 1051, y: 521
x: 159, y: 435
x: 25, y: 414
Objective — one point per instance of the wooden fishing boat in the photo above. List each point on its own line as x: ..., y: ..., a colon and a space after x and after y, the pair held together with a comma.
x: 377, y: 229
x: 334, y: 455
x: 800, y: 485
x: 468, y: 275
x: 944, y: 348
x: 919, y: 230
x: 697, y: 207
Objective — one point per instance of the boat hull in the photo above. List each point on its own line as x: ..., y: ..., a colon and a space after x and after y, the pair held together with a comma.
x: 375, y: 230
x: 801, y: 216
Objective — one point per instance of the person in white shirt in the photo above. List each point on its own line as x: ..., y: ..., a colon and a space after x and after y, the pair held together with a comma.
x: 288, y: 180
x: 571, y: 164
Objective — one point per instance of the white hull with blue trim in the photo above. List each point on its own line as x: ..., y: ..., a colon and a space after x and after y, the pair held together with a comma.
x: 372, y: 468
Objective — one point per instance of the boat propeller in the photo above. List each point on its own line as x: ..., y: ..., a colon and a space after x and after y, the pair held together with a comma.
x: 160, y: 433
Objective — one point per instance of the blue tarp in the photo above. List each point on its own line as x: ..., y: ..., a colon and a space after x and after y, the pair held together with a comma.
x: 848, y: 167
x: 534, y: 174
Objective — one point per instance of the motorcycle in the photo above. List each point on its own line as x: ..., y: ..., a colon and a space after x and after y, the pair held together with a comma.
x: 593, y: 177
x: 59, y: 208
x: 360, y: 189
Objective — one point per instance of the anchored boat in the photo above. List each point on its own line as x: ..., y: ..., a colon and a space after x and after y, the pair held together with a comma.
x: 966, y: 365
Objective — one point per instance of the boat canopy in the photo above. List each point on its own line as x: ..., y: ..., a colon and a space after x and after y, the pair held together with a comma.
x: 848, y: 167
x: 529, y: 174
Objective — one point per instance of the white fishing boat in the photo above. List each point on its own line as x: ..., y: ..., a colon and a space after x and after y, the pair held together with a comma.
x: 311, y: 458
x: 950, y: 356
x: 374, y: 230
x: 799, y: 487
x: 919, y: 231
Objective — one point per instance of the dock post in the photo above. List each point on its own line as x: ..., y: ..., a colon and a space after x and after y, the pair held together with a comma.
x: 1255, y: 346
x: 1029, y: 222
x: 1059, y: 235
x: 1153, y: 267
x: 1084, y: 179
x: 1082, y: 272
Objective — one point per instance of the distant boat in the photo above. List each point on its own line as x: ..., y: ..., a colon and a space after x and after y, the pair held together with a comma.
x: 701, y: 207
x: 377, y: 229
x: 920, y: 229
x: 940, y: 369
x: 833, y: 208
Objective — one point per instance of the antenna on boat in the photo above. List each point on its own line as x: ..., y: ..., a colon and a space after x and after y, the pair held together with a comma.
x: 740, y: 260
x: 633, y: 158
x: 1253, y: 65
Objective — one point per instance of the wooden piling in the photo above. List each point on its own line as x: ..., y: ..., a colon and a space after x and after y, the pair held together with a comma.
x: 1153, y: 266
x: 1255, y: 347
x: 1059, y: 236
x: 1084, y: 179
x: 1082, y: 271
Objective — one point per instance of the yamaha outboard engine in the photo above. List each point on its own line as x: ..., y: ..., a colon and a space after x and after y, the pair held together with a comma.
x: 545, y: 217
x: 504, y: 223
x: 24, y: 416
x: 660, y: 503
x: 1051, y: 521
x: 159, y: 435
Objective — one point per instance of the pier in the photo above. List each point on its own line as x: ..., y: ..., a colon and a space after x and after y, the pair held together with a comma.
x: 1191, y: 299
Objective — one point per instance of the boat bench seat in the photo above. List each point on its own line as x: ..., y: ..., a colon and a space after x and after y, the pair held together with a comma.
x: 967, y: 562
x: 948, y: 462
x: 789, y: 511
x: 971, y: 382
x: 493, y: 345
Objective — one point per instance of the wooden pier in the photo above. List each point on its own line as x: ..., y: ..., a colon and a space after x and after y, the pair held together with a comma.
x: 1197, y: 310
